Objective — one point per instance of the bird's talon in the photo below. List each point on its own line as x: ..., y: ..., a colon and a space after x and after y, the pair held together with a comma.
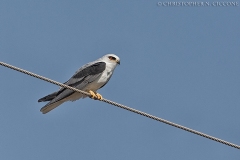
x: 92, y: 95
x: 99, y: 96
x: 95, y: 95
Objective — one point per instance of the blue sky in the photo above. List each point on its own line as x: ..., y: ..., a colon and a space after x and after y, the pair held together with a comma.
x: 177, y: 63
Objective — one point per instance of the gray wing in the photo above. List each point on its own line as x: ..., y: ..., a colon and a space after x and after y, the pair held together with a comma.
x: 79, y: 80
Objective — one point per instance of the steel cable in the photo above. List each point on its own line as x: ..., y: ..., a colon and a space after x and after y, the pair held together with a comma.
x: 123, y: 106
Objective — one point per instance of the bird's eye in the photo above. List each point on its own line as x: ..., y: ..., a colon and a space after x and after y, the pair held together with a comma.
x: 112, y: 58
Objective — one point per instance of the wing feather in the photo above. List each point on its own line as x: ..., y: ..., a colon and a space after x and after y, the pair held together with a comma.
x: 90, y: 69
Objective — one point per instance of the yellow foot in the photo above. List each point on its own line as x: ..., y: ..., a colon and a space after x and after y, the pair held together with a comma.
x: 99, y: 96
x: 95, y: 95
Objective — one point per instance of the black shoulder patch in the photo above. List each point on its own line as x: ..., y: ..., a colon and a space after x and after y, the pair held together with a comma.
x: 95, y: 68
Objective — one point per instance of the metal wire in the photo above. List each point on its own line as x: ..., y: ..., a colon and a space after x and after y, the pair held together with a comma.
x: 124, y: 107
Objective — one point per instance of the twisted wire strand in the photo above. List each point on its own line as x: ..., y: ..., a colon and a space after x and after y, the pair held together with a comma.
x: 123, y: 106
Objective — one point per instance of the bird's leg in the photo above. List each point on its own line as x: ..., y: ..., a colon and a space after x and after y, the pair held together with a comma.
x: 95, y: 95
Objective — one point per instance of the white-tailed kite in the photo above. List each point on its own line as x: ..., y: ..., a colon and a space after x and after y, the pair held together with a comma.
x: 89, y: 78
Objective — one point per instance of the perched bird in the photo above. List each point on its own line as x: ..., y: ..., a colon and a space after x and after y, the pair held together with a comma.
x: 90, y: 77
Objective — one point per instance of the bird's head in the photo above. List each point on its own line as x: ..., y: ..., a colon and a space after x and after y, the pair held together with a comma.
x: 111, y: 58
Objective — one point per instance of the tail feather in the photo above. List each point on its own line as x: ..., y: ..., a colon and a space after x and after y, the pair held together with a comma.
x: 50, y: 106
x: 48, y: 97
x: 57, y: 98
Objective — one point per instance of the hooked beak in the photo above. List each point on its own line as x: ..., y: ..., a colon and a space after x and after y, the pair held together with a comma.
x: 118, y: 62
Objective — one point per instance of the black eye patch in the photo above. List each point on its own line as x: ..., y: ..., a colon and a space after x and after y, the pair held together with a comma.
x: 112, y: 58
